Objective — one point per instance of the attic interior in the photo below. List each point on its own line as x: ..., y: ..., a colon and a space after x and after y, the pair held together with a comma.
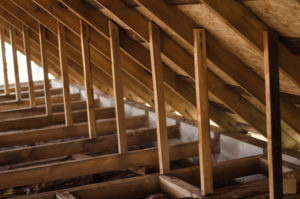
x: 157, y: 99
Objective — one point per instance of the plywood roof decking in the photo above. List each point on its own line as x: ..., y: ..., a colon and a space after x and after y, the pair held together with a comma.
x: 225, y: 35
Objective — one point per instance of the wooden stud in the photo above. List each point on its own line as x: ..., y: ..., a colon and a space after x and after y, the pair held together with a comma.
x: 4, y: 64
x: 42, y: 35
x: 28, y: 63
x: 158, y: 87
x: 12, y: 33
x: 64, y: 73
x: 118, y: 86
x: 273, y: 114
x: 202, y: 111
x: 84, y: 35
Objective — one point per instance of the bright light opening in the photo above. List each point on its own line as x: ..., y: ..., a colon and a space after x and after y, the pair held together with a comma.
x: 37, y: 71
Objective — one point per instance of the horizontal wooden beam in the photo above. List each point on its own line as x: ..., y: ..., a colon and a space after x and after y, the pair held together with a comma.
x: 142, y: 186
x: 55, y: 119
x: 61, y: 132
x: 39, y: 101
x: 40, y: 110
x: 106, y: 143
x: 25, y: 94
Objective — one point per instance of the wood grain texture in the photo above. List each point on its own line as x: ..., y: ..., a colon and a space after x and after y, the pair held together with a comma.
x: 43, y: 46
x: 118, y: 86
x: 12, y: 33
x: 84, y: 30
x: 64, y: 72
x: 273, y: 114
x: 159, y: 100
x: 202, y: 111
x: 27, y: 53
x: 4, y: 63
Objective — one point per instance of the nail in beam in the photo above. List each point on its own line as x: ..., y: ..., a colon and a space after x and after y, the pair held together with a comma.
x: 4, y: 64
x: 42, y: 35
x: 270, y: 40
x: 206, y: 178
x: 117, y: 85
x: 12, y: 33
x: 28, y: 63
x: 64, y: 73
x: 84, y: 35
x: 159, y: 101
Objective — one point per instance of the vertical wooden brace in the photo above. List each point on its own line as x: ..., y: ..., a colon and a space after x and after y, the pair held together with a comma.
x: 28, y: 63
x: 42, y: 35
x: 270, y: 40
x: 84, y: 35
x: 12, y: 33
x: 206, y: 178
x: 64, y: 73
x: 4, y: 63
x: 159, y: 101
x: 117, y: 86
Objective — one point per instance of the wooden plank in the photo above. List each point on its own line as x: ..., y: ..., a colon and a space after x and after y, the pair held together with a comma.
x: 54, y: 119
x: 4, y: 63
x: 15, y: 62
x: 159, y: 101
x: 105, y: 143
x: 202, y: 111
x: 84, y: 35
x: 42, y: 35
x: 40, y: 110
x: 62, y: 132
x: 39, y: 101
x: 25, y: 94
x: 167, y: 17
x: 64, y: 72
x: 102, y: 80
x: 273, y: 114
x: 64, y: 195
x: 75, y: 168
x: 28, y: 63
x: 129, y: 188
x: 118, y: 87
x: 178, y: 93
x: 178, y: 188
x: 248, y: 25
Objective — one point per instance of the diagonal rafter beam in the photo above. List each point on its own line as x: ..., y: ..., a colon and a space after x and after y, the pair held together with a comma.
x: 137, y: 23
x: 250, y: 27
x: 105, y: 80
x: 167, y: 16
x: 184, y: 103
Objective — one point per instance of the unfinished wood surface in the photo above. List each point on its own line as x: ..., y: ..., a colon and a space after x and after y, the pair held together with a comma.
x: 62, y: 132
x: 202, y: 111
x: 27, y: 54
x: 54, y: 119
x: 64, y: 72
x: 4, y: 63
x: 12, y: 33
x: 42, y: 35
x: 178, y: 188
x: 8, y: 105
x: 129, y: 188
x: 105, y: 143
x: 178, y: 92
x: 158, y: 87
x: 118, y: 86
x: 64, y: 195
x: 85, y: 48
x: 270, y: 40
x: 113, y: 162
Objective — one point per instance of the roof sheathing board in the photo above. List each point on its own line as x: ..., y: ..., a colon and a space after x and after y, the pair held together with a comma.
x: 234, y: 42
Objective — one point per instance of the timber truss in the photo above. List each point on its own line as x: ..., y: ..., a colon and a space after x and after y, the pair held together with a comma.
x: 151, y: 55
